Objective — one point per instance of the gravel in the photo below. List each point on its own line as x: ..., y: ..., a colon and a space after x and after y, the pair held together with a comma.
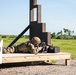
x: 40, y: 69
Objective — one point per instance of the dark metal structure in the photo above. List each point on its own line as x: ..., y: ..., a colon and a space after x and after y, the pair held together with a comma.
x: 19, y: 36
x: 36, y: 27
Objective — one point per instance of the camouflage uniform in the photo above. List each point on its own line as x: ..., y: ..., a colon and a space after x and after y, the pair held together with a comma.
x: 24, y: 47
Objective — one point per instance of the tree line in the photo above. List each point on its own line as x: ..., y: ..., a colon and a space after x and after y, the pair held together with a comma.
x: 63, y: 34
x: 13, y: 36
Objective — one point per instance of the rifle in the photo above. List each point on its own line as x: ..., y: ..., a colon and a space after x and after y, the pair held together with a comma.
x: 49, y: 48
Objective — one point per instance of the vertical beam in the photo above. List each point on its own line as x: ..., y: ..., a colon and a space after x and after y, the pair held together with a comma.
x: 31, y: 15
x: 39, y: 13
x: 43, y: 27
x: 32, y: 4
x: 46, y: 36
x: 67, y: 62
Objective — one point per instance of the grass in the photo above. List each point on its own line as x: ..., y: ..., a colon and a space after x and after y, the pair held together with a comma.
x: 65, y: 45
x: 7, y: 41
x: 52, y: 61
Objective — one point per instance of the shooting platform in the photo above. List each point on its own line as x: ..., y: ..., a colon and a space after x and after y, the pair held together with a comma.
x: 37, y: 28
x: 16, y: 57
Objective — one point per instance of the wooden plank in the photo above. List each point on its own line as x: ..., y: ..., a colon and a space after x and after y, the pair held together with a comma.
x: 67, y: 62
x: 19, y: 57
x: 28, y: 55
x: 1, y: 44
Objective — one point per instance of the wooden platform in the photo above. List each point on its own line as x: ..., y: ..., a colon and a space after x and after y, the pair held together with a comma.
x: 20, y: 57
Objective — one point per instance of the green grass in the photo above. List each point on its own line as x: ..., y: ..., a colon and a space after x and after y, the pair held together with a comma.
x: 7, y: 41
x: 65, y: 45
x: 52, y: 61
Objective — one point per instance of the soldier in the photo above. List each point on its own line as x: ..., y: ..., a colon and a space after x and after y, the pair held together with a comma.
x: 26, y: 47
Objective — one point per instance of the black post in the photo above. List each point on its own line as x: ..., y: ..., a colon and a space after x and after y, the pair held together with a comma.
x: 19, y: 36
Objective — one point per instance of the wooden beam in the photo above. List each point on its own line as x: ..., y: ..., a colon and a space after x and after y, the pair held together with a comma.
x: 67, y: 62
x: 16, y: 57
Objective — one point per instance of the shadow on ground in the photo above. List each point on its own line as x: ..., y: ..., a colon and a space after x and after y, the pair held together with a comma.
x: 9, y: 65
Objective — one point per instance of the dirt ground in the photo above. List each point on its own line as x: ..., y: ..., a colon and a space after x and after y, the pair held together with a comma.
x: 39, y: 69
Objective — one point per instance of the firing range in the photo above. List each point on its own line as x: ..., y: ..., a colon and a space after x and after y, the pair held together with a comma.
x: 36, y: 28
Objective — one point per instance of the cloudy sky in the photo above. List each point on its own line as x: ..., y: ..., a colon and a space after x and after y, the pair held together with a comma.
x: 57, y: 14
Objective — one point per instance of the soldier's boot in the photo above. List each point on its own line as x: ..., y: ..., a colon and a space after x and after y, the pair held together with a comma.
x: 8, y: 50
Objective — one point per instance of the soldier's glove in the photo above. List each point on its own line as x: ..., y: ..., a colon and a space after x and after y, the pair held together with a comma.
x: 32, y: 48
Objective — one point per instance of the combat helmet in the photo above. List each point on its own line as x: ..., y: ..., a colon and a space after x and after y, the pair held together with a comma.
x: 36, y: 40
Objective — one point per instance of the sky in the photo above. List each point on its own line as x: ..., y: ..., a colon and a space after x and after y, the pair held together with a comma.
x: 57, y: 14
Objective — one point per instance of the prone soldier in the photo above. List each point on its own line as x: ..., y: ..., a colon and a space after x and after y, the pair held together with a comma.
x: 31, y: 46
